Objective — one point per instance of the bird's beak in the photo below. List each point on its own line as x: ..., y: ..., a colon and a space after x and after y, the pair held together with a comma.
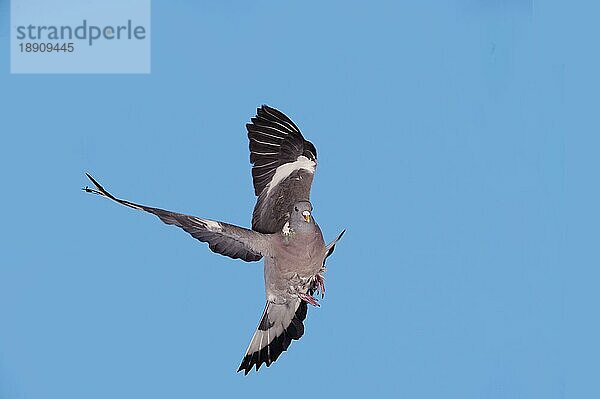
x: 307, y: 217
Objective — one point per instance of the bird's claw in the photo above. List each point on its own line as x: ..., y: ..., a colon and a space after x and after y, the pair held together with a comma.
x: 320, y: 284
x: 309, y: 299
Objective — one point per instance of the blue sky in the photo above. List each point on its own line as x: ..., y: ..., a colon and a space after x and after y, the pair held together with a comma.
x: 442, y: 136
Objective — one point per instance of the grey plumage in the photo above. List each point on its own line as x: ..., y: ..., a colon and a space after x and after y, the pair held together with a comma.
x: 283, y: 232
x: 276, y: 144
x: 222, y: 238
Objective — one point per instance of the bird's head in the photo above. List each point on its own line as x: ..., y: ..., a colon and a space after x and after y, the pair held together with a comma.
x: 301, y: 216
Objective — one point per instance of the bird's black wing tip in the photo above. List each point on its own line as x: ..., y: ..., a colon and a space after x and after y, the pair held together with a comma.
x: 92, y: 180
x: 99, y: 190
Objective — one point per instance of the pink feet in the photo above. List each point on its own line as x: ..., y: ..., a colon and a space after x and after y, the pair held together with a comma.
x: 309, y: 299
x: 318, y: 285
x: 320, y: 282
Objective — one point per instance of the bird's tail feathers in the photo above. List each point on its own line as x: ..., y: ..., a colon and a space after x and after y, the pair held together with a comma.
x: 279, y: 325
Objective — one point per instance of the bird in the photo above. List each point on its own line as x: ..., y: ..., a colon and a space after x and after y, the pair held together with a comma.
x: 284, y: 232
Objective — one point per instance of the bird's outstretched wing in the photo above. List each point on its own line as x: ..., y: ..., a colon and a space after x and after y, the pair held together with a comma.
x: 284, y: 164
x: 279, y: 325
x: 225, y: 239
x: 331, y: 246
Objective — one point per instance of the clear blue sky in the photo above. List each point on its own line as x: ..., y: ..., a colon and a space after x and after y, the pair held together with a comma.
x: 442, y: 132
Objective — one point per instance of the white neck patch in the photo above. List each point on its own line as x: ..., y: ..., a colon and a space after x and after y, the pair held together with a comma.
x: 286, y: 229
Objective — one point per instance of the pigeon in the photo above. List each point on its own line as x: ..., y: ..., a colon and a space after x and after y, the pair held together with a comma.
x: 284, y: 232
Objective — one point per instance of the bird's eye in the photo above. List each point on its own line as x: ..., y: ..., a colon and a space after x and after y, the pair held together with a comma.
x: 296, y: 208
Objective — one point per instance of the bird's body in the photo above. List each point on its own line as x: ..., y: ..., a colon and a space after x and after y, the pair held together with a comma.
x: 283, y: 232
x: 296, y: 256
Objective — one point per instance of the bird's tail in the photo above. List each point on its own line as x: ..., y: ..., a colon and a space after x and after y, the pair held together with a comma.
x: 279, y: 325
